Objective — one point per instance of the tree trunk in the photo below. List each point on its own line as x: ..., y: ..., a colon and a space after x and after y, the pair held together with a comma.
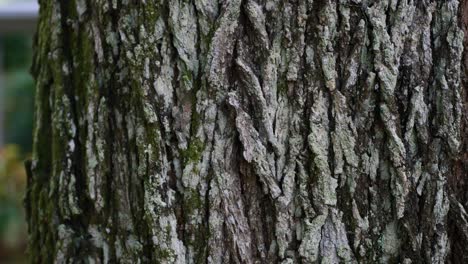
x: 250, y: 131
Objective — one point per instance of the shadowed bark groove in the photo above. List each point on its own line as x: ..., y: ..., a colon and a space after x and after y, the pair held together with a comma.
x: 250, y: 131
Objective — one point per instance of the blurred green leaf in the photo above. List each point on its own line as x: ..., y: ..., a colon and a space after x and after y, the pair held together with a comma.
x: 19, y: 109
x: 17, y: 51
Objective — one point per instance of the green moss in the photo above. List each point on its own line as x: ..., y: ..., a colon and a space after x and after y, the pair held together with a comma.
x: 197, y: 233
x: 164, y: 255
x: 196, y: 118
x: 282, y: 87
x: 151, y: 13
x: 187, y: 80
x: 194, y: 151
x: 193, y: 201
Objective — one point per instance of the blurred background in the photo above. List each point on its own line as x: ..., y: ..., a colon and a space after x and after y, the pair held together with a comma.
x: 17, y: 26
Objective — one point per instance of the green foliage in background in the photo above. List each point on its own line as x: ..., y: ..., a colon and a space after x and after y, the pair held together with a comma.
x: 18, y: 101
x: 17, y: 52
x: 18, y: 109
x: 12, y: 186
x: 17, y: 104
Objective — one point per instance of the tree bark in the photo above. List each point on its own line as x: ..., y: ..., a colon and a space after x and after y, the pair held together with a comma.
x: 250, y: 131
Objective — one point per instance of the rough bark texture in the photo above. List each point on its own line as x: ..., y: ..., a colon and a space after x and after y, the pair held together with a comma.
x: 250, y: 131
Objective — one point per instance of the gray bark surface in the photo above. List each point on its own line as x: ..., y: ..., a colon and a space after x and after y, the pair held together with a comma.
x: 250, y: 131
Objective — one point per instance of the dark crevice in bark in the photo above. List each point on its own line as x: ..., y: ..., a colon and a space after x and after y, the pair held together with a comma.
x: 76, y: 223
x: 109, y: 93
